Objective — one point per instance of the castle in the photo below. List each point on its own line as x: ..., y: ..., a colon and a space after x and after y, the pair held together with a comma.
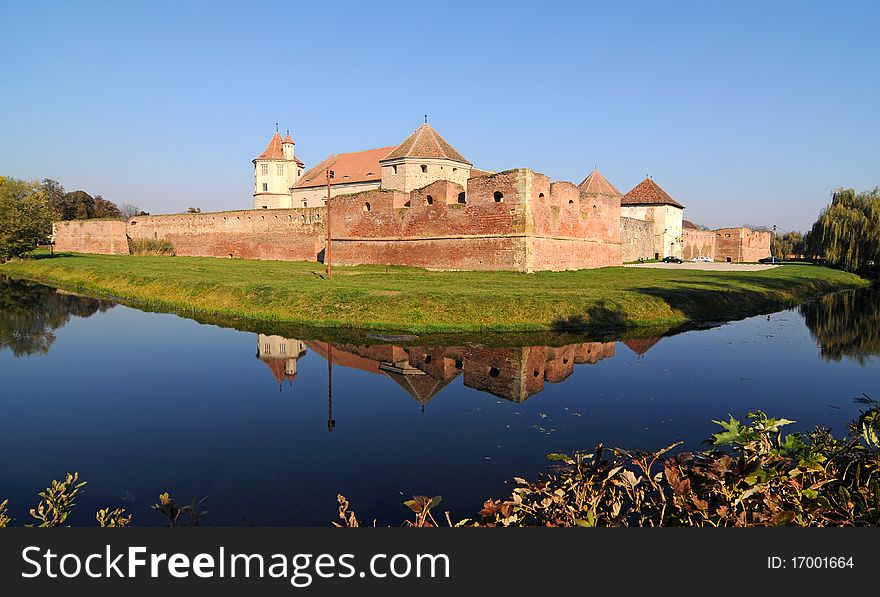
x: 422, y: 203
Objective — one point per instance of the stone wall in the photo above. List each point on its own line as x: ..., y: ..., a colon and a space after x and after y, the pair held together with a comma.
x: 515, y: 220
x: 636, y: 239
x: 106, y: 237
x: 697, y: 243
x: 282, y: 234
x: 741, y: 245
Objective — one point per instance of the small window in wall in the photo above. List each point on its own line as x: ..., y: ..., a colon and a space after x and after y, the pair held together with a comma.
x: 729, y: 260
x: 325, y: 201
x: 265, y: 169
x: 455, y: 169
x: 305, y: 203
x: 727, y: 235
x: 299, y: 172
x: 408, y: 203
x: 498, y: 196
x: 424, y: 169
x: 394, y: 169
x: 367, y: 207
x: 571, y: 201
x: 540, y: 196
x: 459, y: 364
x: 279, y: 169
x: 429, y: 200
x: 427, y: 359
x: 265, y: 207
x: 265, y: 186
x: 493, y: 372
x: 462, y: 197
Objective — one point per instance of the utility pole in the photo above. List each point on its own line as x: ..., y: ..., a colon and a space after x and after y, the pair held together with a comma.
x: 327, y: 251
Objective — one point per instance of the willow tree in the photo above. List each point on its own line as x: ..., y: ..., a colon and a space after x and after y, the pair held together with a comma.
x: 847, y: 232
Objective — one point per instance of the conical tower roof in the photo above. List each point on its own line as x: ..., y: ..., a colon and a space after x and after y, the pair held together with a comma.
x: 648, y: 192
x: 425, y: 142
x: 273, y: 151
x: 598, y: 184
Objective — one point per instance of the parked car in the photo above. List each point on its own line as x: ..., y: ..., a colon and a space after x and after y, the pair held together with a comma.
x: 671, y: 259
x: 702, y: 259
x: 771, y: 259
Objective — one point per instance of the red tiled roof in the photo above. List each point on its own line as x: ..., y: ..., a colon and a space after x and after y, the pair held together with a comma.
x: 596, y: 183
x: 425, y: 142
x: 689, y: 224
x: 273, y: 151
x: 278, y: 368
x: 641, y: 345
x: 359, y: 166
x: 648, y: 192
x: 287, y: 139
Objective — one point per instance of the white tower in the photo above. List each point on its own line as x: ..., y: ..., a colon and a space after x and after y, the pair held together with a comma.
x: 275, y: 171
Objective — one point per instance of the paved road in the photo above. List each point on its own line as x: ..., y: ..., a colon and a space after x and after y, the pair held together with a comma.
x: 719, y: 266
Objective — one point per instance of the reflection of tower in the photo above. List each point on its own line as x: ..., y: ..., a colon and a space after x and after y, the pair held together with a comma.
x: 280, y: 355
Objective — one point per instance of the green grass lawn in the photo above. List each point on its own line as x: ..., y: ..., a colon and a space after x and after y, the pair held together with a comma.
x: 409, y: 299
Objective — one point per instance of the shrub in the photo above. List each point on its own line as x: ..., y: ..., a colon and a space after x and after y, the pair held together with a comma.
x: 150, y: 247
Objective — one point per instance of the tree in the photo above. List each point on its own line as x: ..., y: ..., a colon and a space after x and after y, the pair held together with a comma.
x: 105, y: 209
x: 787, y: 244
x: 194, y: 210
x: 26, y: 217
x: 128, y: 211
x: 847, y: 233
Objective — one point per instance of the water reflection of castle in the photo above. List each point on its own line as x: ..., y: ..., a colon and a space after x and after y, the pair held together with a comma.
x: 422, y: 371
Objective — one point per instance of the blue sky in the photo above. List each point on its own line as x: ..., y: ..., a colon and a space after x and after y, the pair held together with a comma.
x: 746, y: 112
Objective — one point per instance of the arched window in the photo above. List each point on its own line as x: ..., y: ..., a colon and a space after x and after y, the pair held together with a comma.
x: 571, y: 201
x: 541, y: 197
x: 498, y: 196
x: 367, y: 207
x: 424, y: 169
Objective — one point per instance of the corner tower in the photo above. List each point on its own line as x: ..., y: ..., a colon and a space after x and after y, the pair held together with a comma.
x: 424, y: 157
x: 275, y: 171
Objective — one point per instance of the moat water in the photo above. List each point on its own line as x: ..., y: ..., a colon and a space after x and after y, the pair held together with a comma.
x: 140, y: 403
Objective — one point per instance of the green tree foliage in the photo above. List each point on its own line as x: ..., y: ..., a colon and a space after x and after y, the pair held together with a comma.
x: 78, y: 205
x: 790, y: 244
x: 25, y: 217
x: 847, y: 233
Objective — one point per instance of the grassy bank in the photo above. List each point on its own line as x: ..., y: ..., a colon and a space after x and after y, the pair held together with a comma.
x: 409, y: 299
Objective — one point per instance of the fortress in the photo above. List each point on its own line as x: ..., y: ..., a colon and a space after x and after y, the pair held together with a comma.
x: 421, y: 203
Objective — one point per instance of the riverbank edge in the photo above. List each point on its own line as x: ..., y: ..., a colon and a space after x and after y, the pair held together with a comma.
x: 752, y: 304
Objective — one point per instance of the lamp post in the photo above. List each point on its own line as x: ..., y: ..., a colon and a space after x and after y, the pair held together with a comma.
x: 327, y: 252
x: 775, y: 240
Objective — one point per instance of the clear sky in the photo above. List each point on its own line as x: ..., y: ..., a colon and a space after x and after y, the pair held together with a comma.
x: 746, y: 112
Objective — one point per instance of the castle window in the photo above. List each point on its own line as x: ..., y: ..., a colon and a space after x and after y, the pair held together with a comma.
x: 408, y: 203
x: 455, y: 169
x: 265, y: 186
x: 540, y: 196
x: 279, y: 169
x: 367, y: 207
x: 299, y: 172
x: 571, y: 201
x: 493, y: 372
x: 265, y: 168
x: 429, y: 200
x: 424, y: 169
x: 282, y: 348
x: 394, y: 169
x: 265, y: 207
x: 462, y: 198
x: 324, y: 201
x: 305, y: 203
x: 498, y: 196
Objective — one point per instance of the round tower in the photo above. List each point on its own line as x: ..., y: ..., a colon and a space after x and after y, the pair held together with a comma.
x: 275, y: 171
